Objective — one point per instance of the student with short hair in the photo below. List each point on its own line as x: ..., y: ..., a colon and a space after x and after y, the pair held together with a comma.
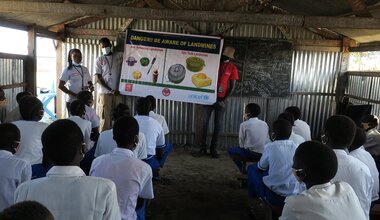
x: 13, y: 171
x: 87, y: 98
x: 372, y: 145
x: 339, y: 132
x: 32, y: 111
x: 300, y: 127
x: 77, y: 111
x: 297, y: 139
x: 30, y: 210
x: 357, y: 150
x: 253, y: 135
x: 133, y: 177
x: 15, y: 115
x: 315, y: 164
x: 66, y: 191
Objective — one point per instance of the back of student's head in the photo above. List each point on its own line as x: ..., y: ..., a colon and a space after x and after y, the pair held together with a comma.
x: 77, y: 108
x: 317, y: 161
x: 31, y: 108
x: 371, y: 120
x: 125, y: 131
x: 27, y: 210
x: 359, y: 140
x: 2, y: 94
x: 9, y: 136
x: 152, y: 102
x: 120, y: 110
x: 253, y: 110
x: 340, y: 131
x: 21, y: 95
x: 282, y: 129
x: 62, y: 142
x: 86, y: 97
x: 142, y: 106
x: 295, y: 111
x: 287, y: 116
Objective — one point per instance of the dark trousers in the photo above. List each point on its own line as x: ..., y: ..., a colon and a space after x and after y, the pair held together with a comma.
x: 206, y: 114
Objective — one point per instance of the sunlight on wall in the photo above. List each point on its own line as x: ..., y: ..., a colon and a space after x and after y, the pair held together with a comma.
x: 364, y: 61
x: 13, y: 41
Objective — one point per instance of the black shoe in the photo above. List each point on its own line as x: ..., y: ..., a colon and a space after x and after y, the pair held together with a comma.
x: 214, y: 154
x: 200, y: 153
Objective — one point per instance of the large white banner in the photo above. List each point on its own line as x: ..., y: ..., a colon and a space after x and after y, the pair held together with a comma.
x: 171, y: 66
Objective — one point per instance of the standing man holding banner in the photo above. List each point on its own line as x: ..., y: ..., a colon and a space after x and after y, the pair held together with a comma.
x: 228, y: 74
x: 107, y: 71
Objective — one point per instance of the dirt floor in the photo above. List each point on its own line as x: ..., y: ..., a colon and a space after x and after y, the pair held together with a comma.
x: 198, y: 188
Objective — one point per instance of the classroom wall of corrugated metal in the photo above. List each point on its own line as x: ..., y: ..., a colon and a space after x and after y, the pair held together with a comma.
x: 313, y: 82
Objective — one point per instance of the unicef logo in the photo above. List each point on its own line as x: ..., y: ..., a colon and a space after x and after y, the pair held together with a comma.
x: 199, y: 97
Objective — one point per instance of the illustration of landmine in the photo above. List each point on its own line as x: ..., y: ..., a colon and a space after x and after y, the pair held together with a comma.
x: 201, y: 80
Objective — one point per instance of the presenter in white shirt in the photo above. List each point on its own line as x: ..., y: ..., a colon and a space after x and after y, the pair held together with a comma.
x: 315, y: 164
x: 300, y: 127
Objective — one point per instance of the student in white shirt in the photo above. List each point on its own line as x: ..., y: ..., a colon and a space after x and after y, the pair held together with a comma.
x: 315, y: 164
x: 32, y: 111
x: 339, y: 132
x: 369, y: 123
x: 357, y: 150
x: 132, y: 177
x: 77, y: 111
x: 15, y: 114
x: 297, y: 139
x: 30, y: 210
x: 66, y: 191
x: 90, y: 115
x: 300, y: 127
x: 253, y: 135
x: 13, y: 171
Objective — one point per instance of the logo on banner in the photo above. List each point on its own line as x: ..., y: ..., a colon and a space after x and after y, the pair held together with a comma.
x: 199, y: 97
x: 128, y: 87
x: 166, y: 92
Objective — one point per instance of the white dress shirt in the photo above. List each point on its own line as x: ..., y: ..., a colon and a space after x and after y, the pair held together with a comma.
x: 30, y: 148
x: 78, y: 78
x: 368, y: 160
x: 69, y: 194
x: 153, y: 133
x: 109, y: 68
x: 297, y: 139
x: 302, y: 128
x: 372, y: 144
x: 13, y: 172
x: 85, y: 127
x: 357, y: 174
x: 106, y: 144
x: 253, y: 135
x: 133, y: 178
x: 92, y: 117
x: 161, y: 120
x: 336, y: 201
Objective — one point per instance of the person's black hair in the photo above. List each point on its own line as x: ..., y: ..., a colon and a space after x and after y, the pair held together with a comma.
x: 120, y: 110
x: 152, y: 102
x: 85, y: 96
x: 253, y: 110
x: 340, y: 131
x: 9, y: 134
x: 105, y: 41
x: 282, y: 129
x: 78, y: 108
x: 287, y: 116
x: 62, y: 141
x: 125, y: 131
x: 371, y: 120
x: 359, y: 140
x: 69, y: 60
x: 295, y: 111
x: 318, y: 162
x: 142, y: 106
x: 31, y: 108
x: 21, y: 95
x: 30, y: 210
x: 2, y: 94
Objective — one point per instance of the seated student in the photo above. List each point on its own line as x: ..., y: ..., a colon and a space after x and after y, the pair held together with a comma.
x: 13, y: 171
x: 133, y: 177
x: 87, y: 98
x: 106, y: 142
x: 300, y: 127
x: 30, y: 210
x: 154, y: 134
x: 372, y: 144
x: 339, y: 132
x: 15, y: 115
x: 32, y: 111
x: 65, y: 190
x: 297, y: 139
x: 271, y: 178
x: 253, y: 135
x: 77, y: 111
x: 357, y: 150
x: 161, y: 120
x: 315, y: 164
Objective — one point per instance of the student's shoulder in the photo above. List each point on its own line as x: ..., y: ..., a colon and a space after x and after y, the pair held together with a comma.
x: 356, y: 165
x: 100, y: 182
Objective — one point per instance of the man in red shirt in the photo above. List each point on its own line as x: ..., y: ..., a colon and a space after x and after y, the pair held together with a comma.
x: 228, y: 74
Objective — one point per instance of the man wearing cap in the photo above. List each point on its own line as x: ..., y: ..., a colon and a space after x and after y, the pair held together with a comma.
x: 228, y: 74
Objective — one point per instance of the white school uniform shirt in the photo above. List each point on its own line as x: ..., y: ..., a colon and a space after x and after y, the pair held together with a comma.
x: 368, y: 160
x: 253, y: 135
x: 372, y: 144
x: 302, y: 128
x: 78, y: 78
x: 357, y: 174
x: 277, y: 159
x: 329, y: 201
x: 109, y: 68
x: 91, y: 116
x: 153, y: 133
x: 132, y: 177
x: 297, y: 139
x: 13, y: 172
x: 69, y: 194
x: 13, y: 115
x: 30, y: 148
x: 85, y: 127
x: 106, y: 144
x: 161, y: 120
